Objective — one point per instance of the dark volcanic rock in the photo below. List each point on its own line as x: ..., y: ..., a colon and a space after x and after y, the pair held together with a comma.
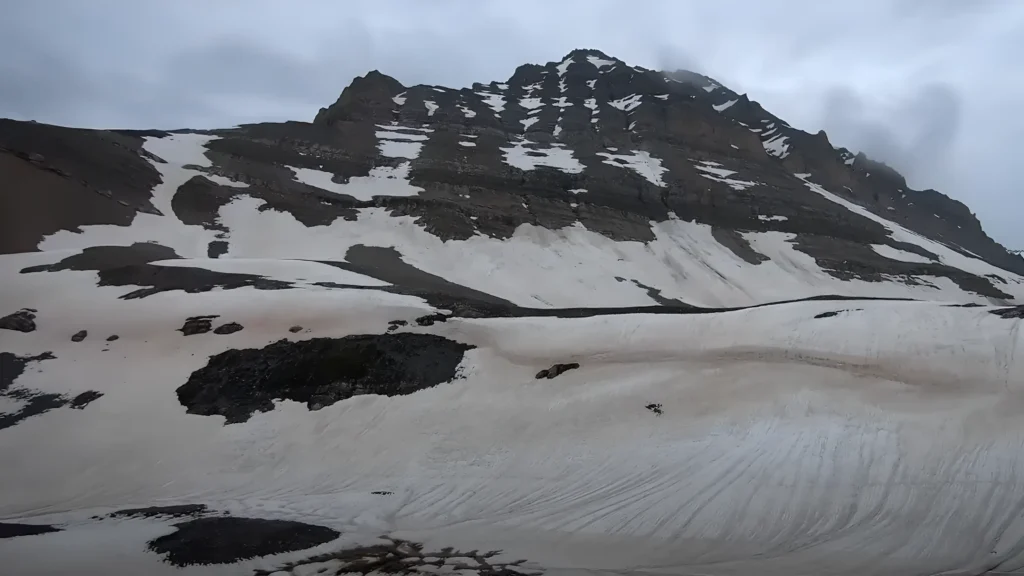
x: 295, y: 329
x: 84, y: 399
x: 228, y: 540
x: 556, y: 370
x: 12, y: 366
x: 216, y: 249
x: 319, y: 372
x: 112, y: 337
x: 33, y: 402
x: 1013, y: 312
x: 93, y: 176
x: 229, y: 328
x: 11, y: 530
x: 131, y: 266
x: 79, y: 336
x: 177, y: 511
x: 197, y: 325
x: 21, y: 321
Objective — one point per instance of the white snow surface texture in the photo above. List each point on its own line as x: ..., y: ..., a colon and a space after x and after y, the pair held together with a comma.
x: 882, y: 439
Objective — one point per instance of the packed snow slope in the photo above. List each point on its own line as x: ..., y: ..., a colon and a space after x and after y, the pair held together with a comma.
x: 594, y: 319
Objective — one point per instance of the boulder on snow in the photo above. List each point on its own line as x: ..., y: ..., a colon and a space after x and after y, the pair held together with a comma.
x: 556, y: 370
x: 197, y: 325
x: 229, y: 328
x: 23, y: 320
x: 79, y: 336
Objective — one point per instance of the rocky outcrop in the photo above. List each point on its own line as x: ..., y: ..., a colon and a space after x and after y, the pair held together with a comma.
x: 319, y: 372
x: 226, y: 540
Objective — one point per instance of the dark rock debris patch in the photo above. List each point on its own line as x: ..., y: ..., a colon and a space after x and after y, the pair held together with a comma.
x: 557, y: 370
x: 216, y: 249
x: 226, y: 540
x: 14, y: 530
x: 79, y: 336
x: 33, y: 402
x: 396, y: 556
x: 319, y: 372
x: 295, y: 329
x: 197, y: 325
x: 1009, y: 313
x: 112, y: 338
x: 133, y: 266
x: 23, y: 320
x: 82, y: 400
x: 833, y: 313
x: 229, y: 328
x: 177, y: 511
x: 656, y: 408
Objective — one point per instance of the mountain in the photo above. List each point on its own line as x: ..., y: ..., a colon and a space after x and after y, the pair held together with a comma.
x: 592, y: 318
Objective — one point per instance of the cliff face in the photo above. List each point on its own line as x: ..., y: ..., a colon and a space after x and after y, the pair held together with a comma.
x: 588, y: 141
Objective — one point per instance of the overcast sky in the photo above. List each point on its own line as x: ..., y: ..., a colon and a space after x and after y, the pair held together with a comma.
x: 932, y: 87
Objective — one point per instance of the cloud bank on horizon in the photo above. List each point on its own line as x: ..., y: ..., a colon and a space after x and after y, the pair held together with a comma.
x: 927, y: 86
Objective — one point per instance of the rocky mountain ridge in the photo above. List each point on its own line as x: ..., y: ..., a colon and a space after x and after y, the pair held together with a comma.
x: 588, y: 141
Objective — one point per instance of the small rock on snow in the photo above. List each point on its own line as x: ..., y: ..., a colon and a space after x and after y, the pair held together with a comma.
x: 197, y: 325
x: 557, y: 369
x: 229, y: 328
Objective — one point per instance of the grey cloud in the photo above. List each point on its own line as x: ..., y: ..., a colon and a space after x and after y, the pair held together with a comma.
x: 916, y: 136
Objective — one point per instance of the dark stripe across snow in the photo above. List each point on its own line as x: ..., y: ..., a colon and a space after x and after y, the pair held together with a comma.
x: 132, y: 266
x: 386, y: 264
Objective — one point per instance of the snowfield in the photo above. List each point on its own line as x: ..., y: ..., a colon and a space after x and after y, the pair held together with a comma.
x: 847, y: 443
x: 854, y: 436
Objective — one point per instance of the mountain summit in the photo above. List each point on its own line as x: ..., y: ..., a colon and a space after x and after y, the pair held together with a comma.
x: 589, y: 319
x: 588, y: 148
